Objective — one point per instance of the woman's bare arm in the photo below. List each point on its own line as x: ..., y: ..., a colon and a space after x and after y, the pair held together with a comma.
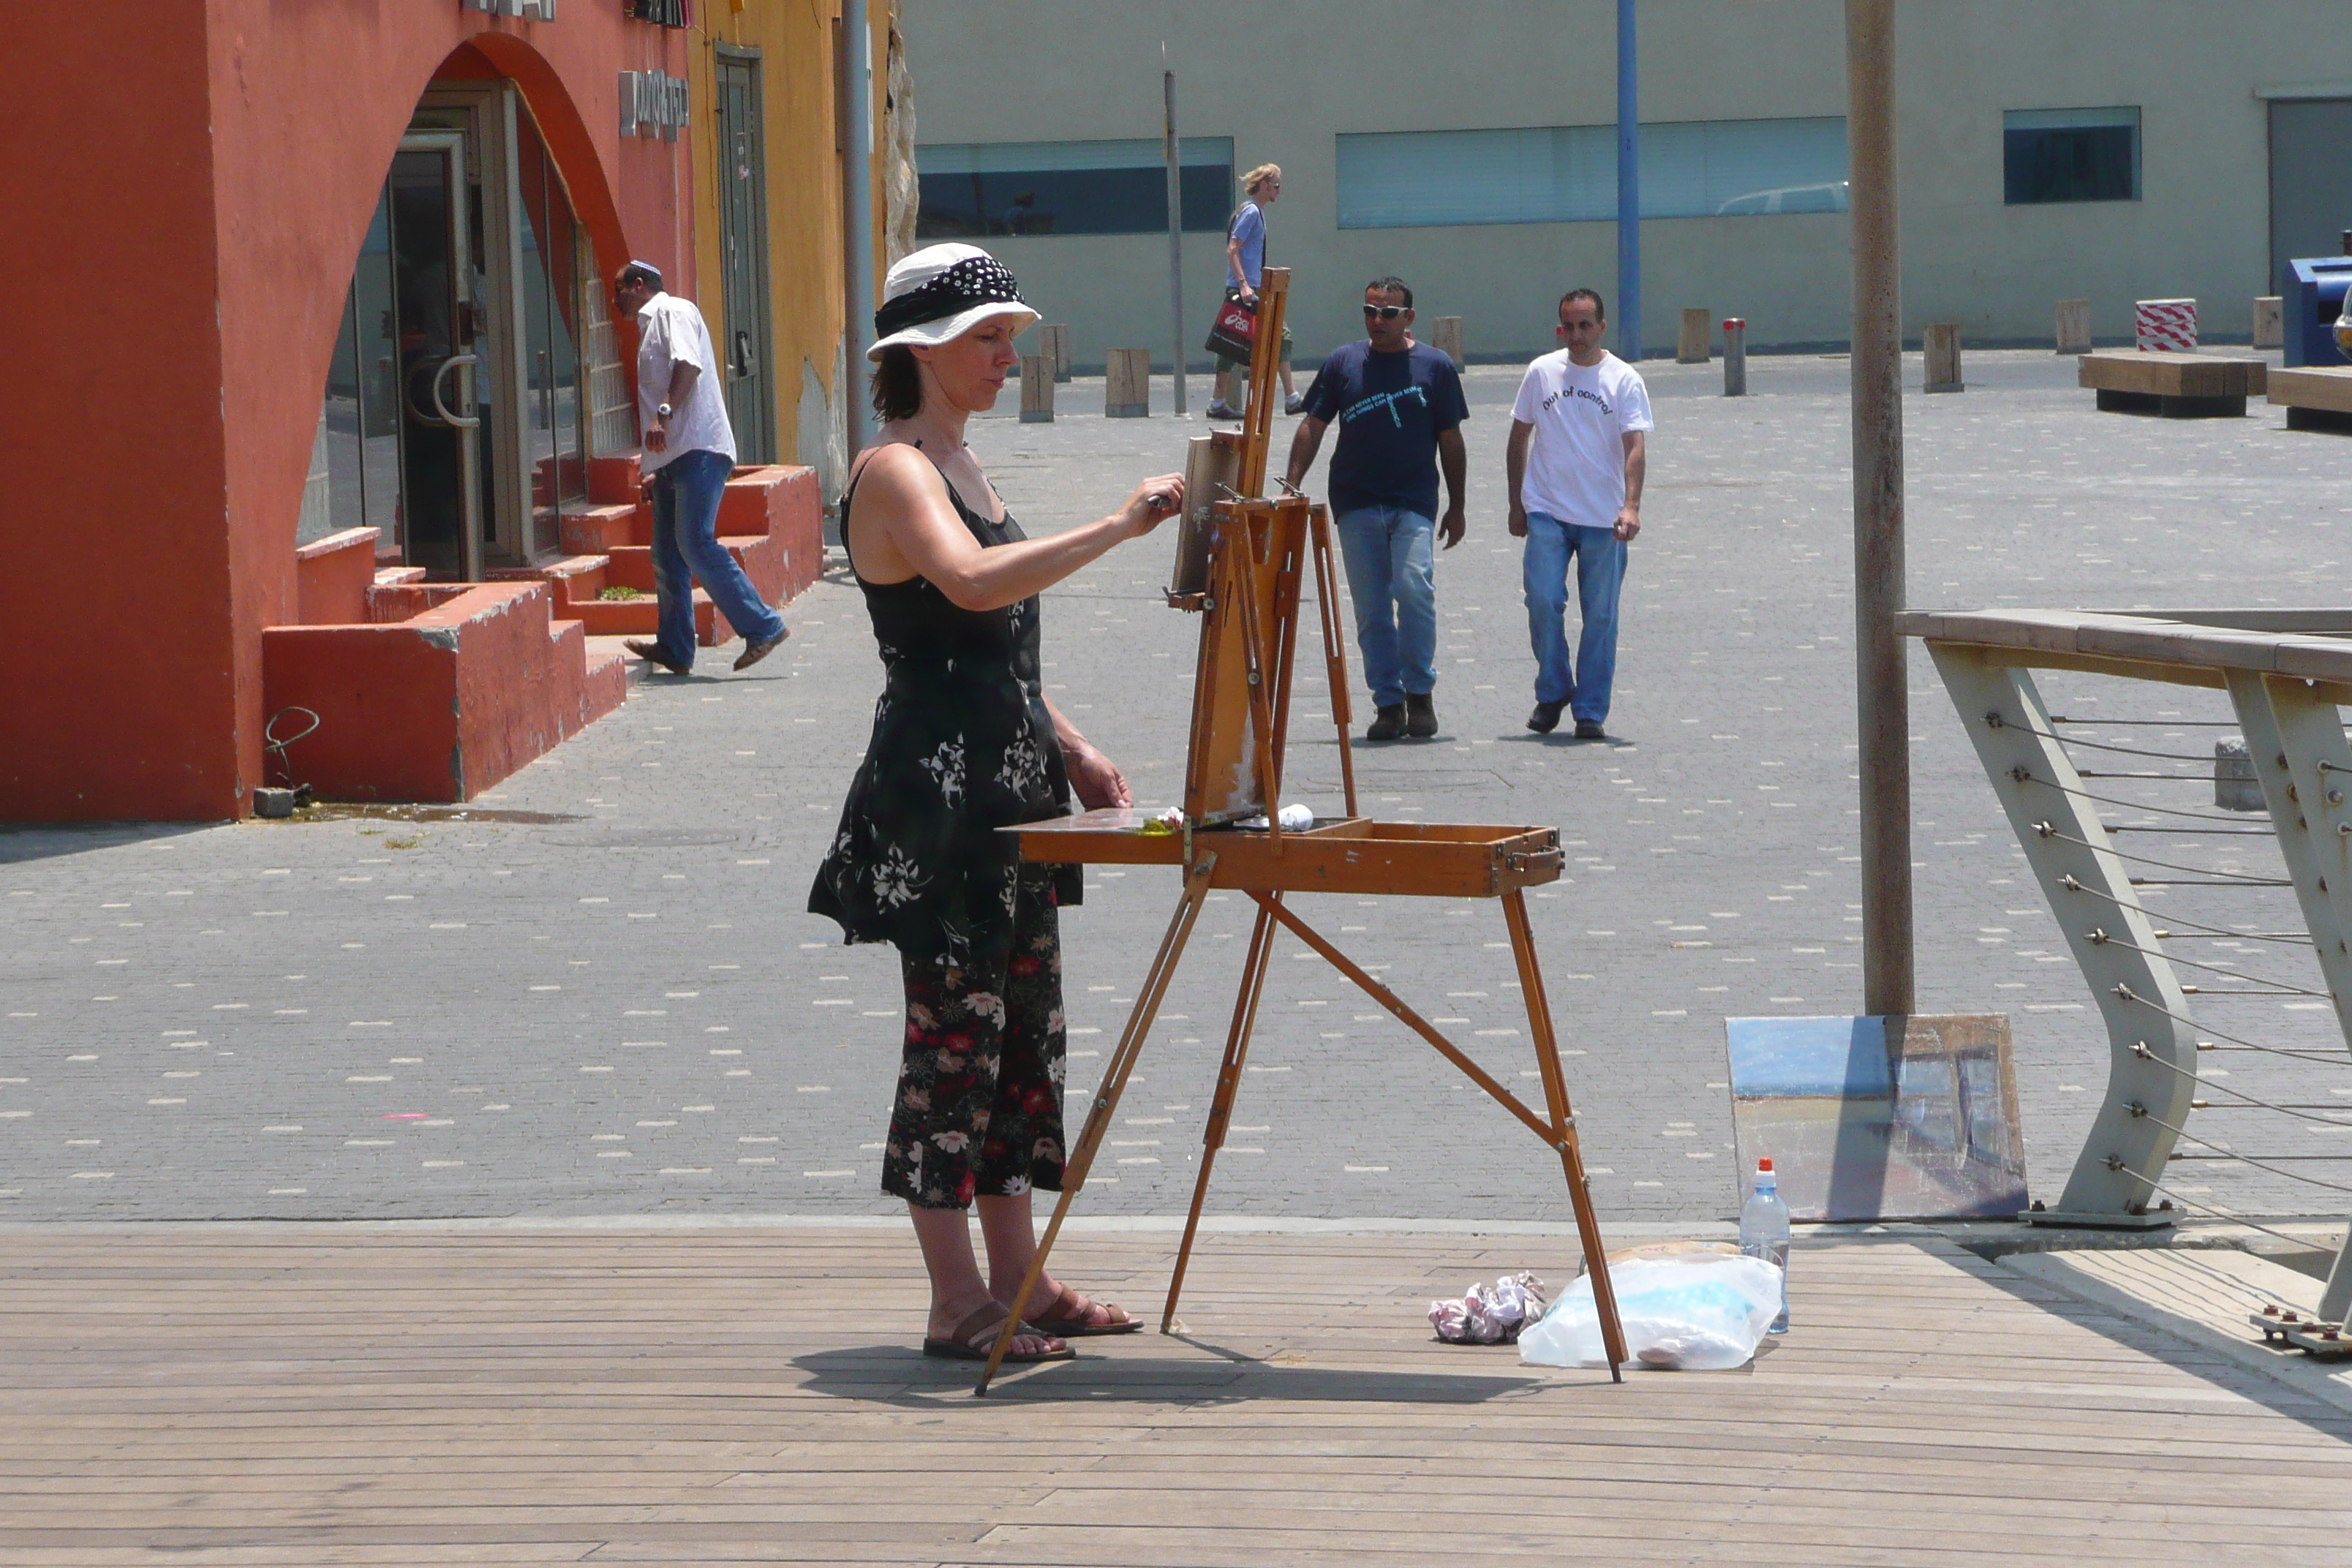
x: 1094, y: 777
x: 907, y: 527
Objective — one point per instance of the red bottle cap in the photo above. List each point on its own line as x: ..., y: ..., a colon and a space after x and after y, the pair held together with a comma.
x: 1764, y: 1164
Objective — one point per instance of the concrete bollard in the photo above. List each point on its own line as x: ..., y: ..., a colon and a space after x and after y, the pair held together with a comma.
x: 1126, y: 384
x: 1693, y: 345
x: 1036, y: 389
x: 1734, y: 357
x: 2073, y: 326
x: 2270, y: 321
x: 1054, y: 343
x: 1944, y: 357
x: 1445, y: 337
x: 2235, y: 787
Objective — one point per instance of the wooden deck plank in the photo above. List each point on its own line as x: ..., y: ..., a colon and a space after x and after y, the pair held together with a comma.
x: 261, y: 1395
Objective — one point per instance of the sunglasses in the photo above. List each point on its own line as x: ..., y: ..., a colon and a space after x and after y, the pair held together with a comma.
x: 1385, y: 312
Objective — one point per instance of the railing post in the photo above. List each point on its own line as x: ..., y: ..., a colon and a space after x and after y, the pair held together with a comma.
x: 2152, y: 1052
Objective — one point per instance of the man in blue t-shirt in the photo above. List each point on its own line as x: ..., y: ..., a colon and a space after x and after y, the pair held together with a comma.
x: 1399, y: 408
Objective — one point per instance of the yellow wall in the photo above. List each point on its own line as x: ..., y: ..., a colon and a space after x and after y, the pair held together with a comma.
x: 794, y: 38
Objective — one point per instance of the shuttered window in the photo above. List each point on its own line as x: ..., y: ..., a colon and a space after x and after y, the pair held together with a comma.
x: 1567, y: 174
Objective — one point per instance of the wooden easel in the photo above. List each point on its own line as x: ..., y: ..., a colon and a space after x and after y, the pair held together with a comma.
x: 1240, y: 562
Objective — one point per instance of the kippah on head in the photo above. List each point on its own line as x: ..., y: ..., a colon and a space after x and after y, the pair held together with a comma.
x: 645, y: 271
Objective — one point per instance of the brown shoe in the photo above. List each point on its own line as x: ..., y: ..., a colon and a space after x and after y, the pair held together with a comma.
x: 652, y: 653
x: 753, y: 652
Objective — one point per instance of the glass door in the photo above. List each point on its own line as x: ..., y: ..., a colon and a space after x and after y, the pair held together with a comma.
x: 436, y: 300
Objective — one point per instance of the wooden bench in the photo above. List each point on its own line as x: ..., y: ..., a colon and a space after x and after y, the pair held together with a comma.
x: 2174, y: 386
x: 2315, y: 398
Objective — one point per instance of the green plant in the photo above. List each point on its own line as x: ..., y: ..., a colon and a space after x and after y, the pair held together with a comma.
x: 620, y: 593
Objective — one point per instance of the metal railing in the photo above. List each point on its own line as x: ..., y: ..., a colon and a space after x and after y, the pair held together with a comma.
x: 2074, y: 786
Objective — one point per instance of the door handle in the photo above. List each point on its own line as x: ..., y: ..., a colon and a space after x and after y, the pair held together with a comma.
x: 747, y: 363
x: 433, y: 387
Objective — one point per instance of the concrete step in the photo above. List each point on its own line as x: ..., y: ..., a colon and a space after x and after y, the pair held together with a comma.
x: 764, y: 558
x: 642, y: 618
x: 573, y: 577
x: 445, y: 691
x: 592, y: 529
x: 615, y: 481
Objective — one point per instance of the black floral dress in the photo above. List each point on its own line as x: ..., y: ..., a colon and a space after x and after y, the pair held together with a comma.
x: 962, y: 746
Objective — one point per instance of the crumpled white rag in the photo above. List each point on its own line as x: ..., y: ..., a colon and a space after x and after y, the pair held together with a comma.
x: 1490, y: 1314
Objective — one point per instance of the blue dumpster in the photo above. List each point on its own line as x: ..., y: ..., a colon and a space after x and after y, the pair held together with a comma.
x: 2312, y: 298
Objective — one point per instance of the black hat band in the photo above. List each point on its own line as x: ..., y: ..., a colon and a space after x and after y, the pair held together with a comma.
x: 975, y: 281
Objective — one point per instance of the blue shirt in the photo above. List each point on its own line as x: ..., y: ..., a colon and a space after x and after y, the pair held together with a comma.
x: 1391, y: 409
x: 1249, y: 227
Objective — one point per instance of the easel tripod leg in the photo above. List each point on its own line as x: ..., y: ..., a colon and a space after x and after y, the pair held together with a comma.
x: 1335, y: 650
x: 1563, y: 1121
x: 1114, y: 1084
x: 1220, y: 1111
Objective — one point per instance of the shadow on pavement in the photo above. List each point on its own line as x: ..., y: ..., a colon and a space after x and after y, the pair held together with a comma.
x: 902, y: 1375
x: 23, y: 843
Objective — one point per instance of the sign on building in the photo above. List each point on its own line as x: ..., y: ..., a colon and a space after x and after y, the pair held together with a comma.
x: 653, y: 102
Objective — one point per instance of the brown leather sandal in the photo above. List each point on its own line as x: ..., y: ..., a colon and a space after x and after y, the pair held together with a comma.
x: 1066, y: 1319
x: 975, y: 1337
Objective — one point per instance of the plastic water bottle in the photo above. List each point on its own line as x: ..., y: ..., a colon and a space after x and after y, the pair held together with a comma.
x: 1764, y: 1233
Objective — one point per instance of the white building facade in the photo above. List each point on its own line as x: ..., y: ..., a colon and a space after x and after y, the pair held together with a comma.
x: 2113, y: 149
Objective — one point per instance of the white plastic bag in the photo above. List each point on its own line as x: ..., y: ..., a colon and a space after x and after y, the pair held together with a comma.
x: 1685, y: 1314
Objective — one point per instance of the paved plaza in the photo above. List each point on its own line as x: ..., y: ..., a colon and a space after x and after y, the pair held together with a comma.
x: 612, y: 1005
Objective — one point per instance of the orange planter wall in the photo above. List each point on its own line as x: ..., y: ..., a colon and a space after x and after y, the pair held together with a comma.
x: 199, y: 191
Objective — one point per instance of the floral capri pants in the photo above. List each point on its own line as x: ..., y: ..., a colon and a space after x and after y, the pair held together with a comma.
x: 979, y: 1088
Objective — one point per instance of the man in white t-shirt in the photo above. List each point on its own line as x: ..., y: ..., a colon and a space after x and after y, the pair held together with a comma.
x: 1575, y: 462
x: 689, y: 455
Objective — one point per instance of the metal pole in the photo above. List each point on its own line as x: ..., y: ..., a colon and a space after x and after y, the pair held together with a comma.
x: 1175, y: 224
x: 1881, y: 680
x: 1629, y: 188
x: 857, y: 213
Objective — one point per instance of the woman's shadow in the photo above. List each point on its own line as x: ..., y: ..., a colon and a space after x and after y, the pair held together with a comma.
x: 902, y: 1375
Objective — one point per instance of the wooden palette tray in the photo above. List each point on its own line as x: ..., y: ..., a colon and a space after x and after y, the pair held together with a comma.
x: 1337, y: 855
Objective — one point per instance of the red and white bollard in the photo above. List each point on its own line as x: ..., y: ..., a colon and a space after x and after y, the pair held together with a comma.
x: 2166, y: 325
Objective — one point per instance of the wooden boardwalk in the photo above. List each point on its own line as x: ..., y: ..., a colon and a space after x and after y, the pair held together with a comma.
x: 300, y: 1395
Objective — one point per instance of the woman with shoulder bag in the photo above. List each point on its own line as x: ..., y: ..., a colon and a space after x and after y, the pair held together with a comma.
x: 1244, y: 266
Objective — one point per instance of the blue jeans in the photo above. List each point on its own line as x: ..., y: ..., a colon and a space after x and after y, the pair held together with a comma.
x: 1599, y: 573
x: 687, y: 550
x: 1388, y: 554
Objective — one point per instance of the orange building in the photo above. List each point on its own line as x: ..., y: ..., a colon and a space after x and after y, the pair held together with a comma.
x: 317, y: 400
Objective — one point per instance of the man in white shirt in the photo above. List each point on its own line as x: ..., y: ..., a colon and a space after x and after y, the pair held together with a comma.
x: 1577, y: 443
x: 689, y: 455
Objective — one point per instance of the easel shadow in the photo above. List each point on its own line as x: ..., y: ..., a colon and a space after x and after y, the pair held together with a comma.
x: 904, y: 1377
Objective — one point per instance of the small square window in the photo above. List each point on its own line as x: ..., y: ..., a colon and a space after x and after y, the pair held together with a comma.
x: 2070, y: 155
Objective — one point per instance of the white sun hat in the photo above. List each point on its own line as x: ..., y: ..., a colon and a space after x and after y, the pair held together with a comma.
x: 939, y: 293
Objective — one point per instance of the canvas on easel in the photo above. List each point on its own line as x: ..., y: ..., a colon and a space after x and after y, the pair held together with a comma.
x: 1241, y: 563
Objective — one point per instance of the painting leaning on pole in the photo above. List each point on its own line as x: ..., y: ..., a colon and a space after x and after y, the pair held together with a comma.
x: 1881, y: 1117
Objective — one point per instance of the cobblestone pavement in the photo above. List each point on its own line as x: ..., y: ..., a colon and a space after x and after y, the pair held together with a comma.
x: 624, y: 1010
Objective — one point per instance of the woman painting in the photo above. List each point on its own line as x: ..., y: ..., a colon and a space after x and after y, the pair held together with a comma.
x: 965, y: 743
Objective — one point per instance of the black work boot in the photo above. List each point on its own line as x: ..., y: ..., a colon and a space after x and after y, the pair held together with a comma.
x: 1388, y: 724
x: 1419, y: 715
